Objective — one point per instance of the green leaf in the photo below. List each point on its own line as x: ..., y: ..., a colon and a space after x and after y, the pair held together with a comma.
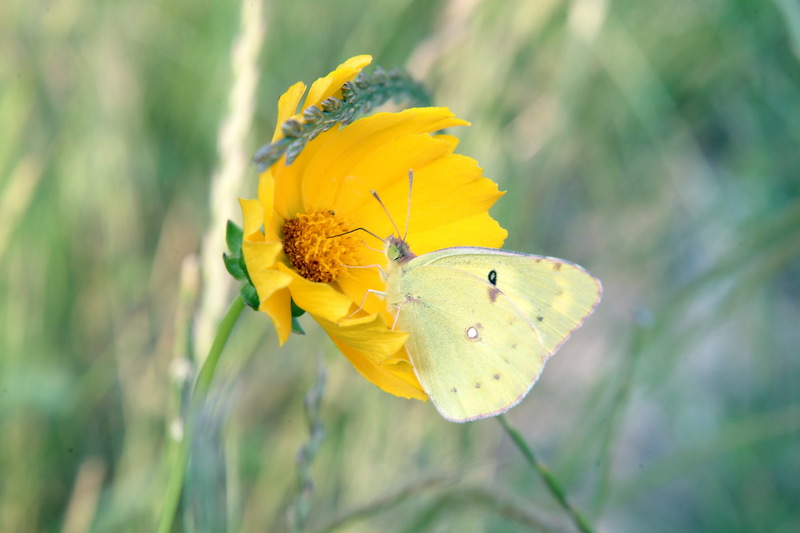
x: 296, y: 327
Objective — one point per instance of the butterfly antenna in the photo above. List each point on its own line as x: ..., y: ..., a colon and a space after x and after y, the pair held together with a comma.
x: 375, y: 194
x: 408, y: 208
x: 353, y: 231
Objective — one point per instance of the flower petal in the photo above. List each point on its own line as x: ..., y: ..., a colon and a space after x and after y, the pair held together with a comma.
x: 395, y: 378
x: 477, y: 230
x: 271, y: 285
x: 288, y: 187
x: 279, y: 309
x: 273, y: 222
x: 252, y: 215
x: 327, y: 164
x: 385, y: 170
x: 457, y: 199
x: 260, y: 256
x: 371, y: 347
x: 287, y: 107
x: 321, y: 300
x: 331, y: 84
x: 359, y: 281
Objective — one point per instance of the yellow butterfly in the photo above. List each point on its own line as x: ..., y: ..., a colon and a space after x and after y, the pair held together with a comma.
x: 482, y: 322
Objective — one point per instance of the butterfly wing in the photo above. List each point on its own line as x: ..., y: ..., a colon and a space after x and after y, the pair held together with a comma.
x: 484, y: 321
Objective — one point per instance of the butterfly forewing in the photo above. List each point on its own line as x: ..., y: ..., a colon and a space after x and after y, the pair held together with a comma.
x: 484, y: 321
x: 555, y: 295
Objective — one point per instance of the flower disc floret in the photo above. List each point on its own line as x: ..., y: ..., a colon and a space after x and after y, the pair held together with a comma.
x: 317, y: 248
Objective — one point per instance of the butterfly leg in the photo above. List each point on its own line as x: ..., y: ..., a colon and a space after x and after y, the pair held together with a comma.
x: 381, y: 271
x: 379, y: 294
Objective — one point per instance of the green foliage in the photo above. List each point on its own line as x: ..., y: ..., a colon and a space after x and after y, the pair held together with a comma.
x: 653, y: 143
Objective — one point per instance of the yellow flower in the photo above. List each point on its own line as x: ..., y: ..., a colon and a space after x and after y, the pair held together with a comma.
x: 288, y: 246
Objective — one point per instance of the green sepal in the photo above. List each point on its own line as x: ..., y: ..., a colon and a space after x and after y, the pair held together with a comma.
x: 243, y: 266
x: 236, y: 266
x: 297, y: 311
x: 233, y: 264
x: 250, y: 295
x: 234, y: 261
x: 296, y: 327
x: 233, y: 238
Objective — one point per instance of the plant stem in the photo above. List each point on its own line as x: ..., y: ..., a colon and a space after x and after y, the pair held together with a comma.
x: 181, y: 452
x: 223, y: 332
x: 552, y: 484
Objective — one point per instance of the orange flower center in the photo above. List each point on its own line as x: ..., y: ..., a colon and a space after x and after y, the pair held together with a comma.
x: 313, y: 253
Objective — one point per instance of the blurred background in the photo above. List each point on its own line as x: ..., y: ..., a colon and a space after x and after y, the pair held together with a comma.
x: 655, y: 143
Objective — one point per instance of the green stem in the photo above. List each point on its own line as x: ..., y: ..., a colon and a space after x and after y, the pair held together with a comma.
x: 181, y: 454
x: 223, y: 332
x: 552, y: 484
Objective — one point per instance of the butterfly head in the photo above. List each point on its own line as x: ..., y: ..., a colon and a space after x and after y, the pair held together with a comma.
x: 397, y: 250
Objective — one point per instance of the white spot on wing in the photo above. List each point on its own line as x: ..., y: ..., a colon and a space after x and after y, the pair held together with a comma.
x: 472, y: 333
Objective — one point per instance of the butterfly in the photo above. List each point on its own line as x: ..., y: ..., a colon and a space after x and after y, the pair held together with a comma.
x: 482, y: 322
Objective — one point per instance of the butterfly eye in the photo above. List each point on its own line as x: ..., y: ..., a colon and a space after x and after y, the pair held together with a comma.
x: 493, y: 277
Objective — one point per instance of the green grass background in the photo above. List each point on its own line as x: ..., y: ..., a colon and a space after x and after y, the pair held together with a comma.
x: 655, y: 143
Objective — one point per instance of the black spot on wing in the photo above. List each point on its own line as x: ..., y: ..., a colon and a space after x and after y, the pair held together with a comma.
x: 493, y: 277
